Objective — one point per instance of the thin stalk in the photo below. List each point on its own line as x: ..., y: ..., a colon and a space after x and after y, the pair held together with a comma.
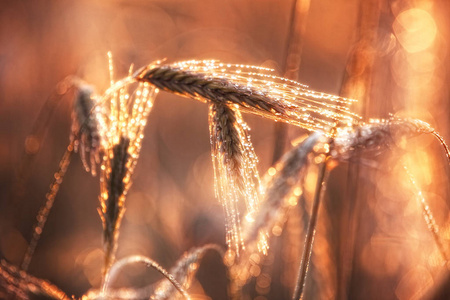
x: 291, y: 64
x: 443, y: 143
x: 427, y: 215
x: 356, y: 83
x: 310, y: 232
x: 46, y: 208
x: 34, y: 141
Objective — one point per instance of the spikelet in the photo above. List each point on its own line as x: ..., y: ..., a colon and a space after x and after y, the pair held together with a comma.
x: 377, y: 135
x: 122, y: 119
x: 85, y: 128
x: 255, y: 90
x: 235, y: 173
x: 114, y: 182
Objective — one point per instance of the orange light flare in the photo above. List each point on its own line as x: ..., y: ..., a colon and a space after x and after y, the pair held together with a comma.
x: 411, y: 183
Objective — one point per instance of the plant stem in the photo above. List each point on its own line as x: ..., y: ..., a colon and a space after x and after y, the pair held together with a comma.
x: 291, y: 64
x: 356, y: 83
x: 46, y: 208
x: 309, y: 238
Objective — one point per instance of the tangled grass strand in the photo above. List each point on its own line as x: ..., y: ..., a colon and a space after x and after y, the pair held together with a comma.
x: 20, y: 284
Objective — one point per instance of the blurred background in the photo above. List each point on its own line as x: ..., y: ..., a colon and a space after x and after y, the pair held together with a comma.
x: 372, y: 241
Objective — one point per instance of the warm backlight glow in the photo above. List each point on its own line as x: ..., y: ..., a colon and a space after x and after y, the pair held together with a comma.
x: 415, y: 30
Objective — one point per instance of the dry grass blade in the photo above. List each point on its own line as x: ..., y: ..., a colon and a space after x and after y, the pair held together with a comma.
x: 20, y: 284
x: 234, y: 161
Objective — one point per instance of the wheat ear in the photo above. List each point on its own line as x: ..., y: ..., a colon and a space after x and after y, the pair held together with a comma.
x: 122, y: 117
x: 234, y: 164
x: 226, y: 139
x: 197, y: 85
x: 85, y: 128
x: 227, y: 154
x: 254, y: 90
x: 113, y: 197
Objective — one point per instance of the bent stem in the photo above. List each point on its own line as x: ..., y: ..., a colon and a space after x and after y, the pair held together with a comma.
x: 114, y: 271
x: 443, y: 143
x: 46, y: 208
x: 427, y: 215
x: 309, y: 238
